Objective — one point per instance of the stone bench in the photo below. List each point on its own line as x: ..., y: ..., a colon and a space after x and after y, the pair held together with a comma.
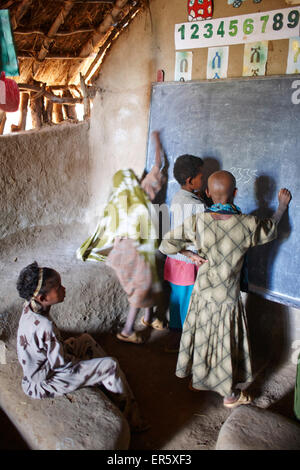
x: 252, y: 428
x: 95, y: 303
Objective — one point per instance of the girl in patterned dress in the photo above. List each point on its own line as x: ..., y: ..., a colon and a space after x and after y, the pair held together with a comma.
x: 214, y: 346
x: 126, y: 240
x: 52, y: 367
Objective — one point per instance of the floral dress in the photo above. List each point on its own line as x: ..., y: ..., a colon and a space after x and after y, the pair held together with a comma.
x: 214, y: 346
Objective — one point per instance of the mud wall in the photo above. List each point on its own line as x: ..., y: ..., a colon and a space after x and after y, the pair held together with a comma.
x: 44, y: 178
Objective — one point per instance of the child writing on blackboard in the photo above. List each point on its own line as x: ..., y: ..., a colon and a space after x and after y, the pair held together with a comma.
x: 126, y: 240
x: 52, y: 367
x: 180, y: 270
x: 214, y: 346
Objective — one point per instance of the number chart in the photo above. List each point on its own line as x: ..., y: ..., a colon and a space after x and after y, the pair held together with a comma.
x: 275, y: 24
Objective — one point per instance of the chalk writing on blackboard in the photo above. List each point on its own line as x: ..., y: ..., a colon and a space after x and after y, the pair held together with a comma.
x: 243, y: 175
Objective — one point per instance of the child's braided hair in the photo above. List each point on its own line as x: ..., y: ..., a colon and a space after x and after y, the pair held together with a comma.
x: 28, y: 280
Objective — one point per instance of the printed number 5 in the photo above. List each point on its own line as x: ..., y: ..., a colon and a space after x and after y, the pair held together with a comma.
x: 233, y: 29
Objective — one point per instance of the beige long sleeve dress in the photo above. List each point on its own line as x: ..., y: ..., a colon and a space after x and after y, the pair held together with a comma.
x: 214, y: 346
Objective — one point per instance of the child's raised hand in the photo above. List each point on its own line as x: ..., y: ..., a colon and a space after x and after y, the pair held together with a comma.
x: 155, y: 136
x: 284, y: 197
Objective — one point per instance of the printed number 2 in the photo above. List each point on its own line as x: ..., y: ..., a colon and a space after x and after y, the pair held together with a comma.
x: 195, y: 34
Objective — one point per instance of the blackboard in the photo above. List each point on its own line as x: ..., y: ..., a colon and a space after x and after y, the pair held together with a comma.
x: 251, y: 127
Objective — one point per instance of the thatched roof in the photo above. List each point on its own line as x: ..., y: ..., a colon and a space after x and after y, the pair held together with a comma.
x: 56, y: 40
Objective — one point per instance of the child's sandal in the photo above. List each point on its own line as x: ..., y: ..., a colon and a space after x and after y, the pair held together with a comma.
x: 242, y: 399
x: 135, y: 338
x: 156, y: 324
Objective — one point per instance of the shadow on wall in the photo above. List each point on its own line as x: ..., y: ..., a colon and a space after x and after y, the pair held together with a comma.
x: 262, y: 258
x: 210, y: 166
x: 269, y: 322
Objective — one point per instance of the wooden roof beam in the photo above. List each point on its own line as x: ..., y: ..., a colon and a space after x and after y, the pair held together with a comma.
x: 92, y: 70
x: 48, y: 41
x: 26, y: 32
x: 20, y: 12
x: 109, y: 20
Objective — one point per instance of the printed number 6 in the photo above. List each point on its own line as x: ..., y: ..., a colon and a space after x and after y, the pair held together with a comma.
x: 248, y: 26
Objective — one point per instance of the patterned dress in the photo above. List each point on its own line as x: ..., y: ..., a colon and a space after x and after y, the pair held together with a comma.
x: 53, y: 368
x: 214, y: 345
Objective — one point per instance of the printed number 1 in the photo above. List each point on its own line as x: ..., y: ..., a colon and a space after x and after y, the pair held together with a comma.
x: 182, y: 31
x: 265, y: 21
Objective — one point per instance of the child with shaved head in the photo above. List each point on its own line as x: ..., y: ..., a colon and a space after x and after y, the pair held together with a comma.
x: 214, y: 346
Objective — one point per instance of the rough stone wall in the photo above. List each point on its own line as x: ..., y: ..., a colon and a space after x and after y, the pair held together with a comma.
x: 44, y: 178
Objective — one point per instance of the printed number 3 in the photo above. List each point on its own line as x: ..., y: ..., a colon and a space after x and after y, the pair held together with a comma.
x: 209, y: 32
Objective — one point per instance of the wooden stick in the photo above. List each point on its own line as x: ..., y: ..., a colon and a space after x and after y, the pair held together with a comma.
x: 26, y: 32
x: 2, y: 121
x: 30, y: 55
x: 86, y: 100
x: 35, y: 89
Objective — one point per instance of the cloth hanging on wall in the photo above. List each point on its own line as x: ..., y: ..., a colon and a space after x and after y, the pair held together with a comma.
x: 8, y: 57
x: 9, y: 94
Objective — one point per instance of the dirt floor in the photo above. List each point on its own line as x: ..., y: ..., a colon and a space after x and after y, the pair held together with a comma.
x: 180, y: 419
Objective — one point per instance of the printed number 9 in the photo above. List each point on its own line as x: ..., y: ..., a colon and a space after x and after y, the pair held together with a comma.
x: 248, y: 26
x: 277, y: 25
x: 293, y: 18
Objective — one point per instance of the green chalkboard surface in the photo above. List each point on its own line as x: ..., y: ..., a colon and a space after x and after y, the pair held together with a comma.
x: 251, y: 127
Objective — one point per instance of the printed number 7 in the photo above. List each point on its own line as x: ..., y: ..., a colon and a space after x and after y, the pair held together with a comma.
x: 233, y: 29
x: 265, y: 21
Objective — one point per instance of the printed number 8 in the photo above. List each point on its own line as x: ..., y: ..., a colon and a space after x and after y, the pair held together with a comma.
x: 278, y: 24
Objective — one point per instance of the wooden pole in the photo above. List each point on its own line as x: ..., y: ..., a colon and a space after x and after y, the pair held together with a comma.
x: 86, y: 100
x: 69, y: 109
x: 23, y: 114
x: 49, y: 111
x: 99, y: 33
x: 23, y: 111
x: 2, y: 121
x: 48, y: 41
x: 36, y: 106
x: 56, y: 99
x: 57, y: 113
